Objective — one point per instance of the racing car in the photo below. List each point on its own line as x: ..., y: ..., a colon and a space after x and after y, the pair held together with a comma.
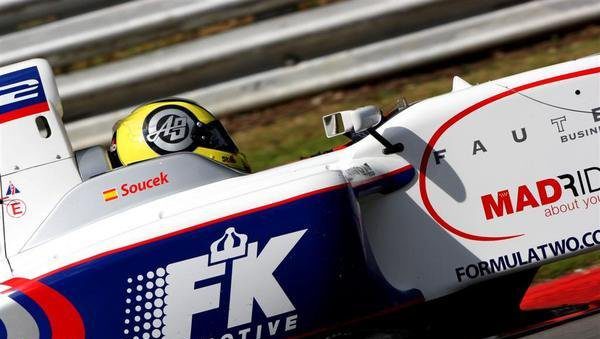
x: 479, y: 185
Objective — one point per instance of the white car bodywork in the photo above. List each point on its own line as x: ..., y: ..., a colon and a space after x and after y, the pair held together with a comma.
x: 491, y: 162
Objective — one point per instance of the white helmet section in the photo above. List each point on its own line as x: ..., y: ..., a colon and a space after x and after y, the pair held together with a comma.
x: 36, y: 160
x: 509, y: 177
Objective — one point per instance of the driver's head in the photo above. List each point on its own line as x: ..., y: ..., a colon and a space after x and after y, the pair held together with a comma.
x: 169, y: 126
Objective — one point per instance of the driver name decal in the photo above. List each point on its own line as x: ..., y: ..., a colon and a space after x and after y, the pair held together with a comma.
x: 128, y: 189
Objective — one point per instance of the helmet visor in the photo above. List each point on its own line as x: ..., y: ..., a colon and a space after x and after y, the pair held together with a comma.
x: 213, y: 136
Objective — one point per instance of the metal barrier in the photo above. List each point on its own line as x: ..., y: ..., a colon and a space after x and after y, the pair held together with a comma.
x: 372, y: 60
x: 250, y: 49
x: 26, y: 12
x: 280, y: 55
x: 91, y: 34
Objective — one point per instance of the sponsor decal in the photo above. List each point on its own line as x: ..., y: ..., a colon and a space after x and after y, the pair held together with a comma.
x: 572, y: 135
x: 530, y: 256
x: 168, y: 129
x: 435, y: 155
x: 110, y: 194
x: 21, y: 94
x: 520, y: 136
x: 15, y: 208
x: 12, y: 189
x: 361, y: 172
x: 544, y: 192
x: 364, y: 179
x: 128, y: 189
x: 559, y: 123
x: 233, y: 277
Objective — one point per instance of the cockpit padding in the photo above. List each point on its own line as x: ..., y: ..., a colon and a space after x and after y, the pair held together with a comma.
x: 92, y: 162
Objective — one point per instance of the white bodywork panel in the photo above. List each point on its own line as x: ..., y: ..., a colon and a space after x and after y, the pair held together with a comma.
x: 414, y: 249
x: 25, y: 211
x: 171, y: 214
x: 433, y: 234
x: 36, y: 164
x: 21, y: 144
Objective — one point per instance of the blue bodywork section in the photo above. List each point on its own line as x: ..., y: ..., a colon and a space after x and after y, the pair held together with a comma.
x: 325, y: 275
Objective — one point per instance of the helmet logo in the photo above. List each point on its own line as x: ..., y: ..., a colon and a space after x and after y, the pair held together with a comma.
x: 167, y: 130
x: 172, y: 130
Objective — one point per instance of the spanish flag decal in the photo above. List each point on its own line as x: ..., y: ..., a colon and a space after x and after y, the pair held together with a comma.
x: 110, y: 194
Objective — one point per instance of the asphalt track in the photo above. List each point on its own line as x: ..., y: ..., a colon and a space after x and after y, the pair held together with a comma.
x: 567, y: 307
x: 584, y: 328
x: 576, y: 325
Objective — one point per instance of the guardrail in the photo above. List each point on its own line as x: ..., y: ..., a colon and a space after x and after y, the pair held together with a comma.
x: 25, y: 12
x: 274, y: 54
x: 83, y: 36
x: 251, y: 49
x: 376, y: 59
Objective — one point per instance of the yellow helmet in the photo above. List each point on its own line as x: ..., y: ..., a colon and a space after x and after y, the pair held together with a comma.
x: 169, y: 126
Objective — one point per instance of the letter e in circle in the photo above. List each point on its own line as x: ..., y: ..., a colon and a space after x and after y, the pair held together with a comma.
x: 16, y: 208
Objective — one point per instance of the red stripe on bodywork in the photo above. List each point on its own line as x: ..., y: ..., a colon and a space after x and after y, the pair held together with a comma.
x: 436, y: 136
x: 23, y: 112
x: 65, y: 321
x: 383, y: 176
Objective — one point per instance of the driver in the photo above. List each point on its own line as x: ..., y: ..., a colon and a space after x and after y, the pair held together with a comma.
x: 169, y: 126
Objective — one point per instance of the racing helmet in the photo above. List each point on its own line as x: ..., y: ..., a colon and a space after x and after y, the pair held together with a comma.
x: 169, y: 126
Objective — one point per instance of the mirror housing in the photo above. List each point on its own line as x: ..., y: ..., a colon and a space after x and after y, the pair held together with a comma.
x: 355, y: 121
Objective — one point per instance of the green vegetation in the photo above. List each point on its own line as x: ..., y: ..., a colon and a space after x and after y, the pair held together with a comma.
x: 563, y: 267
x: 292, y: 130
x: 173, y: 36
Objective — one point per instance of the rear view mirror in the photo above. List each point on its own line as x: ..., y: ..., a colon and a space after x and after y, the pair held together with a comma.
x: 356, y: 121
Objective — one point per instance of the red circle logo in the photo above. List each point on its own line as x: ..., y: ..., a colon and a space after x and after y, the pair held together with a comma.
x: 16, y: 208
